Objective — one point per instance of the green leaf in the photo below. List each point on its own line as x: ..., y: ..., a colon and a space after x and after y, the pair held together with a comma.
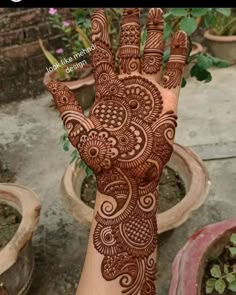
x: 220, y: 63
x: 210, y: 20
x: 74, y: 156
x: 226, y: 268
x: 200, y: 74
x: 166, y: 55
x: 232, y: 286
x: 143, y: 36
x: 210, y: 285
x: 167, y: 31
x: 53, y: 61
x: 179, y: 11
x: 167, y: 15
x: 233, y: 239
x: 88, y: 171
x: 220, y: 286
x: 232, y: 251
x: 63, y: 138
x: 184, y: 82
x: 230, y: 277
x: 204, y: 61
x: 199, y: 11
x: 66, y: 146
x: 189, y: 25
x: 216, y: 271
x: 224, y: 11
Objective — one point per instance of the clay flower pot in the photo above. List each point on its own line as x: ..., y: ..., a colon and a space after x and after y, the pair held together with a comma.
x: 196, y: 48
x: 16, y: 258
x: 189, y: 264
x: 183, y: 160
x: 223, y: 47
x: 83, y: 88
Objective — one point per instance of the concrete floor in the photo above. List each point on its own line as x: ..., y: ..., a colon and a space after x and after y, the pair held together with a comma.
x: 30, y: 132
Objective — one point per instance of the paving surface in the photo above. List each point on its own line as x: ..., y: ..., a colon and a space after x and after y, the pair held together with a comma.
x: 30, y: 132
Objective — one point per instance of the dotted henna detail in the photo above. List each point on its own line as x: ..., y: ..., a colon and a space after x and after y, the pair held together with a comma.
x: 143, y: 98
x: 175, y: 65
x: 129, y: 51
x: 154, y: 46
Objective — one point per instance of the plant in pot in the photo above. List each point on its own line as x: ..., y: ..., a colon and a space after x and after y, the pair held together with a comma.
x: 220, y: 34
x: 19, y: 217
x: 206, y: 263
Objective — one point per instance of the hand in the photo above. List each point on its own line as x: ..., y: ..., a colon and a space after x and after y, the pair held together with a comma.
x: 127, y: 140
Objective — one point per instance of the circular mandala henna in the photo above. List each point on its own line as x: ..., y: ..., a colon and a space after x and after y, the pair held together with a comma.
x: 143, y: 98
x: 98, y: 149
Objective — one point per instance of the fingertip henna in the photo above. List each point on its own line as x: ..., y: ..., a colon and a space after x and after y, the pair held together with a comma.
x: 63, y: 97
x: 154, y: 46
x: 129, y: 51
x: 175, y: 66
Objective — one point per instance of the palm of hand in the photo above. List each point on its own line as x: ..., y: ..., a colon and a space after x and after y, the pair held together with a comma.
x: 126, y: 140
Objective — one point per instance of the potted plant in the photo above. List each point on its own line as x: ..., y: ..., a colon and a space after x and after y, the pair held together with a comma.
x: 20, y: 210
x: 198, y: 60
x: 206, y: 264
x: 221, y: 34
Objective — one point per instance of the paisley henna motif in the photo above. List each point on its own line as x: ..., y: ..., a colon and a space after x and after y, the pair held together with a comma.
x: 154, y: 46
x: 175, y: 65
x: 126, y: 140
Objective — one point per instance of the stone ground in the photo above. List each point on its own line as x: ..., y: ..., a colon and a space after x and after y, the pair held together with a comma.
x: 30, y: 132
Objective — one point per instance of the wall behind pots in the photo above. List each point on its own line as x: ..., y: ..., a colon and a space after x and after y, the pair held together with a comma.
x: 22, y: 64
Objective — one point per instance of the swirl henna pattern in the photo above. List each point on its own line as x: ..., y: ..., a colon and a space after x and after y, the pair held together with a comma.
x: 126, y: 140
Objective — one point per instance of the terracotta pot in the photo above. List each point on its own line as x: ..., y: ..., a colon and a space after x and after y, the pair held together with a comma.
x: 189, y: 264
x: 223, y: 47
x: 188, y: 165
x: 83, y: 88
x: 16, y: 258
x: 197, y: 48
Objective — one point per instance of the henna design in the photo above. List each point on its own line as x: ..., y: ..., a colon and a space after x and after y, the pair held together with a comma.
x: 129, y: 51
x: 126, y: 140
x: 154, y: 46
x: 175, y: 65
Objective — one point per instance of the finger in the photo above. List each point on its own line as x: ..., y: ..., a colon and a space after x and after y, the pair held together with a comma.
x: 70, y: 111
x: 129, y: 51
x: 154, y: 46
x: 174, y: 69
x: 100, y: 37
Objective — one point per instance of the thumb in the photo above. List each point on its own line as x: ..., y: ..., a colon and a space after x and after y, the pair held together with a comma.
x: 71, y: 113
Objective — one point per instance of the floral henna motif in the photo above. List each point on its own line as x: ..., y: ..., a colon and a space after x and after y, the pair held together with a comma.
x: 154, y: 46
x: 126, y: 140
x: 175, y: 65
x: 129, y: 52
